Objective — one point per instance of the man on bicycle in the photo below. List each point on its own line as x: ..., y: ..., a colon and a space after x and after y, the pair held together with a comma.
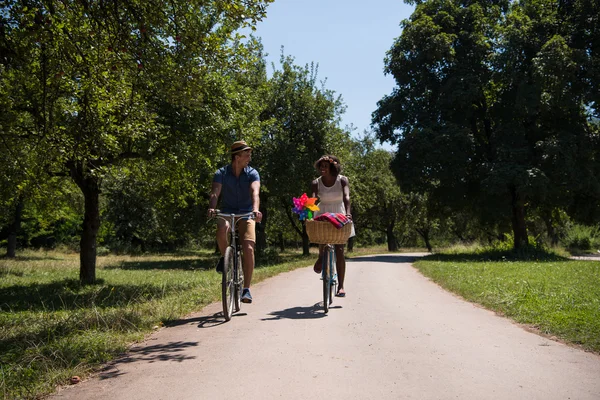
x: 238, y: 185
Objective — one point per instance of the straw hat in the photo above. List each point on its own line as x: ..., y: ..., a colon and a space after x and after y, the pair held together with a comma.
x: 238, y: 146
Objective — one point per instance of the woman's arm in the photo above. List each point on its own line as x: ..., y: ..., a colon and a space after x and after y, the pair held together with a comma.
x: 346, y: 194
x: 314, y: 188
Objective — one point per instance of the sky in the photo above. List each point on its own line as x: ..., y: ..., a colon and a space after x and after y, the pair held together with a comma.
x: 348, y: 39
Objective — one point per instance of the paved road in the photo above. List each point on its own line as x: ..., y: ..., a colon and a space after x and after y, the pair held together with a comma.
x: 396, y: 335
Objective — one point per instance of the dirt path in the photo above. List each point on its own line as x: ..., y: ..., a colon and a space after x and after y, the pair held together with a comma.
x: 395, y: 336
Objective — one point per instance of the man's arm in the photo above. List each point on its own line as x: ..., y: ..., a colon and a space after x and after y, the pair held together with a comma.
x: 254, y: 193
x: 215, y: 192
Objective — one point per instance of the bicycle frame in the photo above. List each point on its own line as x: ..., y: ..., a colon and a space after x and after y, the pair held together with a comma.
x: 232, y: 281
x: 328, y: 275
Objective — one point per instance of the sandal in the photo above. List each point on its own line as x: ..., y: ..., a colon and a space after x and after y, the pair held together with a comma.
x: 340, y: 294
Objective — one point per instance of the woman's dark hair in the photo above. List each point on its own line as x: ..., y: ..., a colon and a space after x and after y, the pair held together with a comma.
x: 334, y: 164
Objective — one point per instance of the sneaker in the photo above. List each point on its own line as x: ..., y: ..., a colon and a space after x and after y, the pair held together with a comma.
x: 220, y: 265
x: 246, y: 296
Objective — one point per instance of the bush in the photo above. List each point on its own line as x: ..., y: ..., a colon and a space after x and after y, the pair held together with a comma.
x: 581, y: 237
x: 269, y: 256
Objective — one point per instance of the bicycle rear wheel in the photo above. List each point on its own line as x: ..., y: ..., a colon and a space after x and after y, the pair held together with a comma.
x: 239, y: 284
x: 227, y: 283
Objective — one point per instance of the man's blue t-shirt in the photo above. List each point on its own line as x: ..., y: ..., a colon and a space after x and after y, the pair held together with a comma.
x: 235, y: 191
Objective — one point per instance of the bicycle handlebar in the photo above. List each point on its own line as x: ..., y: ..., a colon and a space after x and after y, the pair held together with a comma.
x: 250, y: 214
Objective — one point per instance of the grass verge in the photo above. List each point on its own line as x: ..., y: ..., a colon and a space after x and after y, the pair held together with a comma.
x: 553, y: 294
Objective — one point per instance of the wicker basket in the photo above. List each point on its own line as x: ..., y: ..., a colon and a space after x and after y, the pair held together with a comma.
x: 323, y: 232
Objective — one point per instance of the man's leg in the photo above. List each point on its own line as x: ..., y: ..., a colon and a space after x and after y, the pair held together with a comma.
x: 248, y: 236
x: 248, y: 261
x: 340, y: 261
x: 222, y: 230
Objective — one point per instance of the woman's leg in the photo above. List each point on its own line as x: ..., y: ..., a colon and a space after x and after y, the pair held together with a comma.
x: 340, y: 261
x: 318, y: 267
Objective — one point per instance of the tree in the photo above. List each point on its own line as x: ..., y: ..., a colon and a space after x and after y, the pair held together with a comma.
x: 489, y: 112
x: 300, y: 121
x: 97, y: 83
x: 22, y: 180
x: 377, y: 202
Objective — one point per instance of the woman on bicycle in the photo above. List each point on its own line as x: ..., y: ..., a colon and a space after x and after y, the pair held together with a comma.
x: 333, y: 191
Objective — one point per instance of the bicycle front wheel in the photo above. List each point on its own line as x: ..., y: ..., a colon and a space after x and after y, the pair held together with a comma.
x: 327, y: 288
x: 227, y: 283
x: 239, y: 284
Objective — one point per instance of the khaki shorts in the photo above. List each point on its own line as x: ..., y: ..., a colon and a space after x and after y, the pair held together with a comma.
x: 246, y: 228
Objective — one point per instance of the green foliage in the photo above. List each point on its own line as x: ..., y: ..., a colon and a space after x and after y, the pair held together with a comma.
x: 534, y: 250
x: 299, y: 123
x: 50, y: 221
x: 377, y: 202
x: 581, y: 238
x: 92, y: 86
x: 137, y: 104
x: 149, y: 208
x: 492, y: 107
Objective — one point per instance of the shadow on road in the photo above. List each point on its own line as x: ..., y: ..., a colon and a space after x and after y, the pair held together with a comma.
x: 387, y: 258
x: 208, y: 321
x: 173, y: 351
x: 312, y: 312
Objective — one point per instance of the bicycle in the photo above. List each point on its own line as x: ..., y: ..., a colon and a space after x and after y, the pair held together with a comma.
x: 328, y: 276
x: 232, y: 281
x: 324, y: 233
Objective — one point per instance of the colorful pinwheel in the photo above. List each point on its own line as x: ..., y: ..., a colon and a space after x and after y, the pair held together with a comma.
x: 304, y: 206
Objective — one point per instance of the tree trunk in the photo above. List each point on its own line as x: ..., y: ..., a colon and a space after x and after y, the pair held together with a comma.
x: 90, y: 186
x: 391, y: 238
x: 425, y: 235
x: 261, y: 236
x: 14, y: 229
x: 351, y: 244
x: 547, y: 215
x: 305, y: 243
x: 281, y: 242
x: 427, y: 243
x: 301, y: 233
x: 518, y: 220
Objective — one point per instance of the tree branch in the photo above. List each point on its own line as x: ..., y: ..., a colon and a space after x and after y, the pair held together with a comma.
x: 288, y: 212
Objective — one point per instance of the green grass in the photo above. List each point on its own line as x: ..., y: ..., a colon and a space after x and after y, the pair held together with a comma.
x: 557, y: 296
